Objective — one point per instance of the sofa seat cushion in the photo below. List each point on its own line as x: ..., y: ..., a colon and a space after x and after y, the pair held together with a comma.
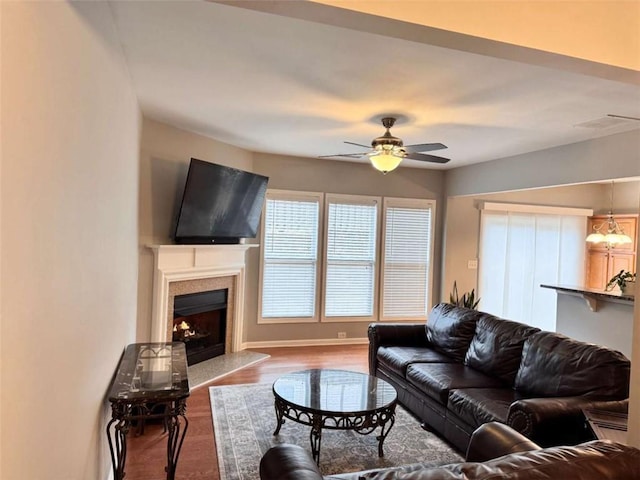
x: 450, y: 329
x: 554, y: 365
x: 477, y: 406
x: 496, y: 347
x: 436, y: 379
x: 397, y: 359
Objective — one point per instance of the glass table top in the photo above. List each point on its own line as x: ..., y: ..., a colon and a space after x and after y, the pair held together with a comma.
x: 334, y: 391
x: 155, y: 371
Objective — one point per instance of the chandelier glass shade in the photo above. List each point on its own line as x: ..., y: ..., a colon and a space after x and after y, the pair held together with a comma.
x: 609, y: 231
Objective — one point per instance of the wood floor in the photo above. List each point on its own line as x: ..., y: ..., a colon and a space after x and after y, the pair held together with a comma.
x: 146, y: 455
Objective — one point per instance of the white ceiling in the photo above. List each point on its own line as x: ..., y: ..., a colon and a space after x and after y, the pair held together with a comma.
x: 278, y: 84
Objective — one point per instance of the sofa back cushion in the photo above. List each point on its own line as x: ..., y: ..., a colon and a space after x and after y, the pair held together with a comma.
x: 554, y: 365
x: 596, y: 460
x: 496, y: 347
x: 450, y: 329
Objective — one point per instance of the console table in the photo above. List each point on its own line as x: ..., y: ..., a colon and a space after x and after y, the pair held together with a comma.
x: 150, y: 382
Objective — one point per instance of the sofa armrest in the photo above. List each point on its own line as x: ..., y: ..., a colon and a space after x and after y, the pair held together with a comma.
x: 551, y: 421
x: 288, y: 462
x: 401, y: 334
x: 492, y: 440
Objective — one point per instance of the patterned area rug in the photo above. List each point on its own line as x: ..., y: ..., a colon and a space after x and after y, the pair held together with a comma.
x: 244, y: 421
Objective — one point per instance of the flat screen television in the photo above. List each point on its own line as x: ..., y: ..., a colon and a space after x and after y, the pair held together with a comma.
x: 219, y: 205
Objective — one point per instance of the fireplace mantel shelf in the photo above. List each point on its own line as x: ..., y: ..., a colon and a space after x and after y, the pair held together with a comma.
x: 173, y: 246
x: 197, y: 256
x: 171, y: 250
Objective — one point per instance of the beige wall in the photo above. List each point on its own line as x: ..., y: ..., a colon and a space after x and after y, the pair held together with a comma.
x: 615, y: 156
x: 70, y: 143
x: 165, y: 153
x: 164, y: 159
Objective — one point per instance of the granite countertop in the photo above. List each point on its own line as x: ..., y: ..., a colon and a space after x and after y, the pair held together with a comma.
x: 592, y: 296
x: 590, y: 291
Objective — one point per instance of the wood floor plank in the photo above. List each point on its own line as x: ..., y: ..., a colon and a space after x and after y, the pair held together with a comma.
x: 146, y: 457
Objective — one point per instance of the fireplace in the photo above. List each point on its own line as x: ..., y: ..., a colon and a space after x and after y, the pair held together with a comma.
x: 192, y: 269
x: 200, y: 321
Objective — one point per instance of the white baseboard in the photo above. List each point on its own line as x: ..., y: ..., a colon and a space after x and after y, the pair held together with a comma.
x: 306, y: 343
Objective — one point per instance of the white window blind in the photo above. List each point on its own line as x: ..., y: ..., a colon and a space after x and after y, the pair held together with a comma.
x: 290, y: 256
x: 406, y: 261
x: 518, y: 252
x: 350, y: 260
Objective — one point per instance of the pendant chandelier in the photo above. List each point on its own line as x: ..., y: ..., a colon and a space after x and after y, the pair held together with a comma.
x: 609, y: 231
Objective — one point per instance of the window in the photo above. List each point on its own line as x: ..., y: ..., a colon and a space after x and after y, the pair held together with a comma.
x: 522, y: 247
x: 376, y: 256
x: 350, y: 264
x: 289, y: 266
x: 406, y: 258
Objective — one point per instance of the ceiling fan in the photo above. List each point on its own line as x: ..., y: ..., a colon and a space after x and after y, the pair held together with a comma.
x: 388, y: 151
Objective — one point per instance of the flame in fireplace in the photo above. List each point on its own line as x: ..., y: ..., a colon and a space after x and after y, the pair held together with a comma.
x: 185, y: 329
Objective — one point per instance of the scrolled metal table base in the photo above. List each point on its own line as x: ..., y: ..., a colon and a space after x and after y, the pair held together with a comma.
x: 122, y: 414
x: 363, y: 423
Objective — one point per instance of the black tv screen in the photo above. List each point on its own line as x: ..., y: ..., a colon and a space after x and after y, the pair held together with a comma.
x: 220, y: 204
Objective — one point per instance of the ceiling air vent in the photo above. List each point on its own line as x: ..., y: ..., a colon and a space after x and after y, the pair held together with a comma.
x: 608, y: 121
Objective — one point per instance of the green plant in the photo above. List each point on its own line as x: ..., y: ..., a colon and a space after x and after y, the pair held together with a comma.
x: 621, y: 280
x: 467, y: 300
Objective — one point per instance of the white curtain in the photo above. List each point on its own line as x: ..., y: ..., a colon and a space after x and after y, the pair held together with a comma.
x: 519, y: 252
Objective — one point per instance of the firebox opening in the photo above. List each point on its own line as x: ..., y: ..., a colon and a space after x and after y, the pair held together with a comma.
x: 200, y: 321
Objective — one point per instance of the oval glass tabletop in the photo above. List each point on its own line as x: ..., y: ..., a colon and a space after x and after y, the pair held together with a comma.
x: 334, y: 391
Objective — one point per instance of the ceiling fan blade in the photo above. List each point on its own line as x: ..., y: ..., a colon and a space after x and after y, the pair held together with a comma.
x: 358, y: 144
x: 424, y: 147
x: 352, y: 155
x: 426, y: 158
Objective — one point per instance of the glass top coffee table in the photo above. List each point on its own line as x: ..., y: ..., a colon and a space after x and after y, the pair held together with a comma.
x: 335, y: 400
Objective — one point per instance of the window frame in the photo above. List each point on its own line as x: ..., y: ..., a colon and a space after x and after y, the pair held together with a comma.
x: 275, y: 194
x: 417, y: 203
x: 357, y: 200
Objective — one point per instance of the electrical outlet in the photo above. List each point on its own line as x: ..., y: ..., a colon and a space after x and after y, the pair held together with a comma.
x: 472, y: 264
x: 342, y: 334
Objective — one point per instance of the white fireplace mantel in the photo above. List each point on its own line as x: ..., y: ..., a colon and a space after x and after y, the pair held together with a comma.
x: 175, y: 263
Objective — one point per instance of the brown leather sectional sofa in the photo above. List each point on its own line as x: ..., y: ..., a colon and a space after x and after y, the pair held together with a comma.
x: 465, y: 368
x: 496, y: 451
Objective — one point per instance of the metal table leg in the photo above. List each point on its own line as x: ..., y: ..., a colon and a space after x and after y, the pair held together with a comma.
x: 316, y: 437
x: 118, y: 437
x: 175, y: 437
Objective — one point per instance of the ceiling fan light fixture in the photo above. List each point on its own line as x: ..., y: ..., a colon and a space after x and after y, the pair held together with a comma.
x: 385, y: 162
x: 388, y: 151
